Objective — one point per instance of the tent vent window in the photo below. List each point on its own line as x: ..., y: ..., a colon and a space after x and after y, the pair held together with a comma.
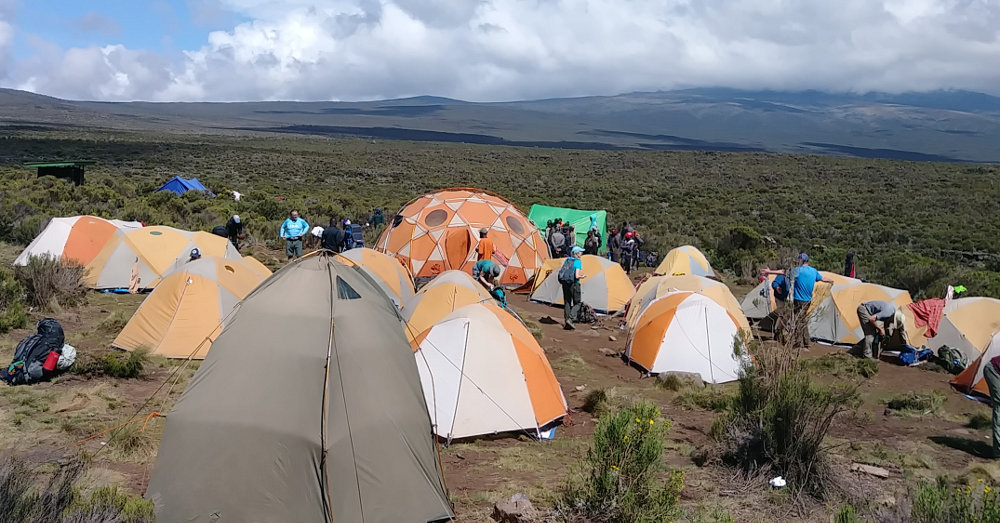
x: 436, y: 217
x: 345, y: 291
x: 515, y: 225
x: 396, y: 220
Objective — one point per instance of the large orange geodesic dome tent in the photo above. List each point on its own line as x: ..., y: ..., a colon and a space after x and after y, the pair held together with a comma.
x: 439, y: 231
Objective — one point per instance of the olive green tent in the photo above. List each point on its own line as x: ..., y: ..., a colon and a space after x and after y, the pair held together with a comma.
x: 580, y: 220
x: 308, y: 408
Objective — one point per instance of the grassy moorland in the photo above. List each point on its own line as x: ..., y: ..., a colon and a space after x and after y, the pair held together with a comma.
x: 918, y: 226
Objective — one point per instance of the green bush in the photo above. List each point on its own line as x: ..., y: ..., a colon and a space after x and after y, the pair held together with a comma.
x: 708, y: 398
x: 623, y: 483
x: 59, y: 501
x: 116, y: 364
x: 917, y: 402
x: 840, y: 365
x: 49, y: 283
x: 941, y: 503
x: 109, y: 504
x: 12, y: 314
x: 779, y: 419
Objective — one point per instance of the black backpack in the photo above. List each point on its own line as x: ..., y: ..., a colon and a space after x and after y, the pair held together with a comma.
x: 567, y: 273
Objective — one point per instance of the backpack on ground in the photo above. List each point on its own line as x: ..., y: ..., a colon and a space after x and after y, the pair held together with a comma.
x: 587, y: 314
x: 951, y: 359
x: 567, y: 273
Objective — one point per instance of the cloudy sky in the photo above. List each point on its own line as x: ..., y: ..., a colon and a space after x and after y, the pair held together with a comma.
x: 490, y: 50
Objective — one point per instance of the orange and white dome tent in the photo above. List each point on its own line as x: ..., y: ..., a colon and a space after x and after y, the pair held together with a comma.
x: 685, y: 259
x: 450, y: 291
x: 658, y: 286
x: 156, y: 250
x: 482, y: 372
x: 387, y: 271
x: 604, y: 286
x: 440, y: 231
x: 77, y: 239
x: 970, y: 380
x: 967, y: 324
x: 687, y: 332
x: 181, y: 317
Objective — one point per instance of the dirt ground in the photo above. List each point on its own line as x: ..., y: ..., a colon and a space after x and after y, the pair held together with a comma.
x: 51, y: 420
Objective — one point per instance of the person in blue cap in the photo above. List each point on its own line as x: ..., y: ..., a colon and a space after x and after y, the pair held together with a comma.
x: 195, y: 254
x: 804, y: 278
x: 569, y: 276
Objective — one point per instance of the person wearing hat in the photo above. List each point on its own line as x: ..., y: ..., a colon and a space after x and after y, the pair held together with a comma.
x: 378, y: 218
x: 484, y: 250
x: 195, y: 254
x: 486, y: 273
x: 804, y: 278
x: 234, y: 230
x: 571, y: 290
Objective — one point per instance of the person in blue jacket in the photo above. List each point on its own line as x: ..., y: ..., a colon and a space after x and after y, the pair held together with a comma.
x: 804, y: 278
x: 292, y: 230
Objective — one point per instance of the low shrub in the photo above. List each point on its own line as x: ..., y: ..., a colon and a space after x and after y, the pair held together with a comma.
x: 939, y: 502
x: 12, y: 313
x: 778, y: 420
x: 114, y: 322
x: 624, y: 481
x: 841, y: 365
x: 109, y: 504
x: 115, y: 364
x: 49, y: 283
x: 846, y: 514
x: 708, y: 398
x: 979, y: 421
x: 59, y: 501
x: 602, y: 401
x: 917, y: 402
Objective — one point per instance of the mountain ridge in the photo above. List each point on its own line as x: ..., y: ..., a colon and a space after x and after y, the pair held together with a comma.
x: 952, y: 125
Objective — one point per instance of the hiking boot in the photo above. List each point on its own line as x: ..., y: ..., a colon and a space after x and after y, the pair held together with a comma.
x: 569, y: 326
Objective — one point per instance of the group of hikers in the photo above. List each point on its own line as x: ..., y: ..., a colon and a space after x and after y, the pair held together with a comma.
x: 624, y: 243
x: 340, y: 235
x: 793, y: 293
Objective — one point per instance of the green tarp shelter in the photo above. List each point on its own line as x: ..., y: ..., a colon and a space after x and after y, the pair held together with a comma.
x: 541, y: 214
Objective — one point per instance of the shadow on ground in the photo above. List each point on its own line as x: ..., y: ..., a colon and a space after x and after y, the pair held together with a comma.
x: 977, y: 448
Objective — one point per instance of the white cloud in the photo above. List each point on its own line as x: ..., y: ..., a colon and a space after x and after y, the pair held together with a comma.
x: 514, y: 49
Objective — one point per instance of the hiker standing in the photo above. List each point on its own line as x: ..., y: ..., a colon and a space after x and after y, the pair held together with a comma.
x: 592, y: 243
x: 569, y: 276
x: 781, y: 292
x: 348, y: 234
x: 615, y: 245
x: 333, y: 237
x: 628, y: 252
x: 484, y: 251
x: 804, y: 278
x: 991, y: 373
x: 486, y: 272
x: 292, y: 231
x: 873, y: 315
x: 558, y: 243
x: 378, y: 218
x: 234, y: 231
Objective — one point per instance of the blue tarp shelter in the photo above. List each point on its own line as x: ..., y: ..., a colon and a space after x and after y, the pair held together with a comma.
x: 180, y: 185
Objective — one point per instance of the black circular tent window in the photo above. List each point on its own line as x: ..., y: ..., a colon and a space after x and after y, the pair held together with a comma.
x: 515, y: 225
x: 436, y: 217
